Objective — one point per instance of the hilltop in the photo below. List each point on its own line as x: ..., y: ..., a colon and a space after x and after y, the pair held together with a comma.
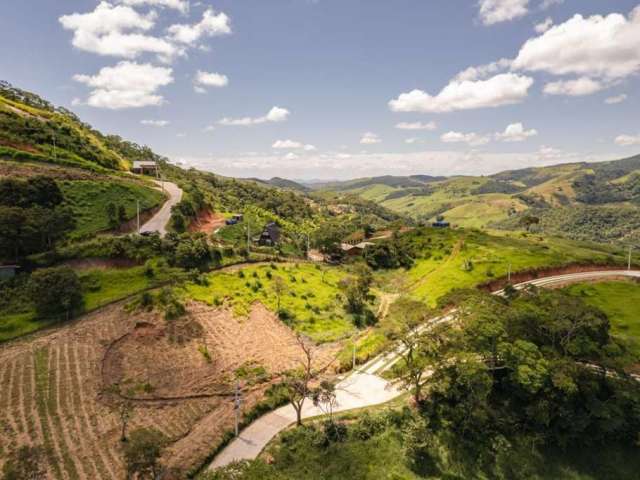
x: 585, y: 201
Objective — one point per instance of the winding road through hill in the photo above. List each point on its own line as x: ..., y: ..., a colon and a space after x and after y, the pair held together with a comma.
x: 365, y: 387
x: 158, y: 223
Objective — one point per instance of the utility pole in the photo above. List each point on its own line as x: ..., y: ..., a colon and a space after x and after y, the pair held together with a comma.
x: 354, y: 355
x: 509, y: 273
x: 54, y: 146
x: 629, y: 264
x: 138, y: 214
x: 237, y: 404
x: 248, y: 238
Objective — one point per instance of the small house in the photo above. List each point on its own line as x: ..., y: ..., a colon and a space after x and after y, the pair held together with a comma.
x: 234, y: 220
x: 270, y: 236
x: 8, y: 271
x: 355, y: 250
x: 440, y: 224
x: 145, y: 168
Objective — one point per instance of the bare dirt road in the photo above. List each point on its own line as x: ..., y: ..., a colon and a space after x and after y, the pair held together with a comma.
x: 158, y: 223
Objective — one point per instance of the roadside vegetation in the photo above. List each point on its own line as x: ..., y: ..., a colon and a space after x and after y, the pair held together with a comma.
x: 620, y: 300
x: 528, y: 386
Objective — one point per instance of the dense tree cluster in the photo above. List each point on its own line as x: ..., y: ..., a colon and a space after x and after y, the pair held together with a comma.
x: 32, y: 218
x: 537, y: 369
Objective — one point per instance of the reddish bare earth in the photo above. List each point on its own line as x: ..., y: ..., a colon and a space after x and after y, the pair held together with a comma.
x: 56, y: 384
x: 207, y: 222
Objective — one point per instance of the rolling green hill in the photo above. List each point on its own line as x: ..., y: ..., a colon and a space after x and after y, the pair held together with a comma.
x: 585, y: 201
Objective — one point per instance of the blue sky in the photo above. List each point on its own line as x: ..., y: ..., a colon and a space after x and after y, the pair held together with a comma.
x: 318, y: 88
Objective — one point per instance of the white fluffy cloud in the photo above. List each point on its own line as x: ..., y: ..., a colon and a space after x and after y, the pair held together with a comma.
x: 292, y: 145
x: 155, y: 123
x: 496, y: 11
x: 473, y: 139
x: 275, y: 115
x: 117, y: 31
x: 597, y: 46
x: 628, y: 140
x: 616, y: 99
x: 502, y: 89
x: 575, y: 88
x: 180, y: 5
x: 212, y: 24
x: 126, y: 85
x: 516, y: 132
x: 209, y: 79
x: 370, y: 138
x: 412, y: 140
x: 544, y: 26
x: 416, y: 126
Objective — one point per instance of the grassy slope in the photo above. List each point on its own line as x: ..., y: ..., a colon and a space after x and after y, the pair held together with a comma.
x: 101, y: 287
x: 448, y: 250
x: 460, y: 201
x: 318, y: 312
x: 88, y: 200
x: 620, y: 301
x: 38, y: 126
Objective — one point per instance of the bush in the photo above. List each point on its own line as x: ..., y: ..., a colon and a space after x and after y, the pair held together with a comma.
x: 55, y: 291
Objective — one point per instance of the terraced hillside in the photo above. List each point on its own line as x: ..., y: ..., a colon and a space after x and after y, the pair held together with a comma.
x: 584, y: 201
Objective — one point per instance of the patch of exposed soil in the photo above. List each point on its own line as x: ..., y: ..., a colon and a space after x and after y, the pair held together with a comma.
x: 528, y: 275
x: 54, y: 383
x: 207, y: 222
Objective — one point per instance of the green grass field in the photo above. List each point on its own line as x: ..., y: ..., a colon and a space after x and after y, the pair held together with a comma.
x: 312, y: 296
x: 453, y: 259
x: 101, y: 287
x: 89, y: 199
x: 620, y: 300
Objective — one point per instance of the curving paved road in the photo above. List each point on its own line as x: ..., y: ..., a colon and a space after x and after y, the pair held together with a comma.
x: 158, y: 223
x: 364, y: 387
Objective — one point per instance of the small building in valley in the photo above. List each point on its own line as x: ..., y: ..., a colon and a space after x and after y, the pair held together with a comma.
x: 145, y: 168
x: 8, y: 271
x: 355, y: 250
x: 270, y: 236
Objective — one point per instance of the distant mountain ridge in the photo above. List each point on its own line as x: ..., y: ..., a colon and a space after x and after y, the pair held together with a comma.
x: 561, y: 198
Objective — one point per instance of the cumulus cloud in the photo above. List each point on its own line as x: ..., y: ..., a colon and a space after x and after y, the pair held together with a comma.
x: 575, y: 88
x: 502, y: 89
x: 616, y: 99
x: 275, y: 115
x: 596, y: 46
x: 290, y: 156
x: 544, y: 26
x: 155, y: 123
x: 117, y: 31
x: 180, y: 5
x: 336, y: 165
x: 212, y: 24
x: 209, y: 79
x: 473, y: 139
x: 627, y: 140
x: 126, y: 85
x: 412, y: 140
x: 484, y: 71
x: 496, y: 11
x: 416, y: 126
x: 370, y: 138
x: 292, y: 145
x: 516, y: 132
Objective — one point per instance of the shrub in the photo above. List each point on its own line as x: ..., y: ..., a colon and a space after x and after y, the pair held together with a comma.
x: 55, y: 291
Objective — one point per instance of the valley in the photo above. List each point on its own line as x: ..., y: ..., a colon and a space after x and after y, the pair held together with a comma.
x: 240, y: 298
